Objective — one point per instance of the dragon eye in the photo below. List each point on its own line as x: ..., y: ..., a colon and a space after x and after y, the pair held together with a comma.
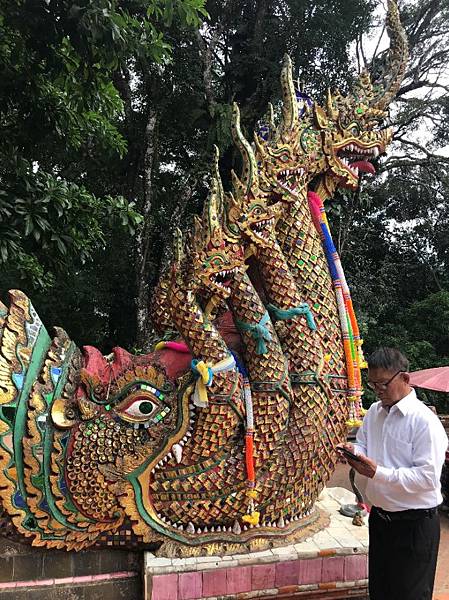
x: 141, y: 404
x: 141, y: 409
x: 355, y: 129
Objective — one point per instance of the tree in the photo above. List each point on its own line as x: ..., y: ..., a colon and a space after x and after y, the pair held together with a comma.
x: 61, y: 120
x: 184, y: 107
x: 59, y: 112
x: 392, y: 233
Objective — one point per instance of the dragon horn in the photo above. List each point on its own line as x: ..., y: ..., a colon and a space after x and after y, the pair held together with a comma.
x: 258, y: 143
x: 233, y: 211
x: 178, y: 246
x: 390, y: 78
x: 331, y: 110
x: 211, y: 217
x: 270, y: 118
x: 290, y: 105
x: 197, y: 235
x: 250, y: 176
x: 217, y: 176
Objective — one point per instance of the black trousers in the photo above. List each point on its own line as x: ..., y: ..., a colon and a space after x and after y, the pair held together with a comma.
x: 402, y: 557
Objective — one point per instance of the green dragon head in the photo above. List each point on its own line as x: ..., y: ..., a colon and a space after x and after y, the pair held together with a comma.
x: 78, y: 429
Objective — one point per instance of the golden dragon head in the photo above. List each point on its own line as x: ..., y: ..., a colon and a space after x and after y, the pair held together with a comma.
x: 78, y: 430
x: 216, y: 258
x: 351, y: 125
x: 248, y: 211
x: 338, y: 140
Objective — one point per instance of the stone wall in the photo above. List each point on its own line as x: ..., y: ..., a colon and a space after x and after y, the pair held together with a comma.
x: 34, y: 574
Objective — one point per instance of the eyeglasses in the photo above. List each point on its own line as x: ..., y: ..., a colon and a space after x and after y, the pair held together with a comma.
x: 374, y: 385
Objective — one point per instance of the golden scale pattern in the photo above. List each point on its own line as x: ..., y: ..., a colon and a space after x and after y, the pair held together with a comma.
x: 307, y: 442
x: 308, y: 265
x: 305, y: 256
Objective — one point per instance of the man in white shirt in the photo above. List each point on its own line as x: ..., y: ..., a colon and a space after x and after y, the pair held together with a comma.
x: 400, y: 448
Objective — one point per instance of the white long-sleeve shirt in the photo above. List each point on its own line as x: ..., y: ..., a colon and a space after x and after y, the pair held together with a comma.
x: 408, y: 444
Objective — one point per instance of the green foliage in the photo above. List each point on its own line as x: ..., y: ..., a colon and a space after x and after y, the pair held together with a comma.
x: 79, y: 80
x: 61, y: 117
x: 45, y: 220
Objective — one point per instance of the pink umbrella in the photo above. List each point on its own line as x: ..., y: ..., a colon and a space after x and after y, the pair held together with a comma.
x: 431, y: 379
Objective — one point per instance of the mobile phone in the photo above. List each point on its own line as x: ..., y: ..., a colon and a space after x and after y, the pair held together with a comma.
x: 348, y: 454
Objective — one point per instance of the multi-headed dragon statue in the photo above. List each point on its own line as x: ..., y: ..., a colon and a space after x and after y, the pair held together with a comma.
x: 219, y: 440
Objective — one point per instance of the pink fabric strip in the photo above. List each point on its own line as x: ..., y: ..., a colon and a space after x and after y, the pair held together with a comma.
x: 315, y: 204
x: 178, y: 346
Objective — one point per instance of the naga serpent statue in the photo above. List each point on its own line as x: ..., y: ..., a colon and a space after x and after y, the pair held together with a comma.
x: 216, y: 442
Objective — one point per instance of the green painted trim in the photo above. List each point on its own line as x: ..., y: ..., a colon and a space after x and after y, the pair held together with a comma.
x: 39, y: 351
x: 48, y: 447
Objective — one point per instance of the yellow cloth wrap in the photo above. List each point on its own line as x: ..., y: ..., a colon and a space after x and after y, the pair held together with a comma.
x: 160, y: 346
x: 252, y: 518
x: 202, y: 382
x: 205, y: 376
x: 353, y: 423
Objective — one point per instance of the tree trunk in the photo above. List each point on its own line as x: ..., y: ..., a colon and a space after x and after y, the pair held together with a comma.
x: 145, y: 236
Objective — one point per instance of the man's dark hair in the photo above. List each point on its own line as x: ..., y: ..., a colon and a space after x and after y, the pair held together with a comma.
x: 390, y: 359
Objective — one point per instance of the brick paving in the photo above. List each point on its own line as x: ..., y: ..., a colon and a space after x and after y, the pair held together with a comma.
x: 441, y: 591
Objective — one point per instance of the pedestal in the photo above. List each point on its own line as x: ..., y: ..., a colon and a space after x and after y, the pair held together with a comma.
x: 330, y: 564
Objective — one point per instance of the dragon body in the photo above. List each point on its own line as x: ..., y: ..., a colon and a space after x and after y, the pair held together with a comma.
x: 224, y: 439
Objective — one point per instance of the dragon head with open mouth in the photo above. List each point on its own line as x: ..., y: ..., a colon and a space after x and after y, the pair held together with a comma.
x: 248, y: 211
x: 351, y: 126
x: 216, y: 260
x: 338, y: 141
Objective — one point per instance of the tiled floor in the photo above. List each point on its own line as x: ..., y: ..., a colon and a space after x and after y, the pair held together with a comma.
x: 340, y: 479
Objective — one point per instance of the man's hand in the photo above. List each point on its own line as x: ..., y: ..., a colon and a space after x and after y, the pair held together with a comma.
x: 365, y: 466
x: 346, y: 445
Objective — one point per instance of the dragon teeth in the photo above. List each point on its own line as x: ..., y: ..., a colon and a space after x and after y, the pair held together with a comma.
x: 177, y: 452
x: 190, y: 527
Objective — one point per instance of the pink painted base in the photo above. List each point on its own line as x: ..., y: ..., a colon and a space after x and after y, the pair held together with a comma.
x: 295, y: 577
